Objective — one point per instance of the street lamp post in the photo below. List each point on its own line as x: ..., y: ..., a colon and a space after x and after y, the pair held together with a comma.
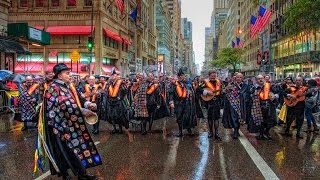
x: 91, y: 48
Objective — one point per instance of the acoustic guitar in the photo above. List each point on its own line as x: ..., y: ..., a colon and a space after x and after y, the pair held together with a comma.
x: 208, y: 97
x: 300, y: 96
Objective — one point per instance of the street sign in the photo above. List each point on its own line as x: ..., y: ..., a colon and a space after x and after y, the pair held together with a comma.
x: 75, y: 56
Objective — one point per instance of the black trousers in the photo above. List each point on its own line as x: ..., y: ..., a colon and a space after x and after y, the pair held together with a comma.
x: 295, y: 113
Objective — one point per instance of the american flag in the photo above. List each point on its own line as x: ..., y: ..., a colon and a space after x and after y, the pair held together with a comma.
x: 263, y: 18
x: 233, y: 44
x: 121, y: 5
x: 239, y: 43
x: 253, y: 26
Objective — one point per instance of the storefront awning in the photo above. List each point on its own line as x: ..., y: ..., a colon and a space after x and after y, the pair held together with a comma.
x: 112, y: 35
x: 69, y: 30
x: 107, y: 69
x: 37, y: 67
x: 28, y: 67
x: 126, y: 41
x: 12, y: 46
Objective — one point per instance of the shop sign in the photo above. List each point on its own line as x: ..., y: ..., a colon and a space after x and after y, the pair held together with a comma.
x: 35, y: 34
x: 75, y: 56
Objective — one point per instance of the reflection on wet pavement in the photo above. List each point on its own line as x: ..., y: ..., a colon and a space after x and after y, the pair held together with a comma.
x: 161, y: 155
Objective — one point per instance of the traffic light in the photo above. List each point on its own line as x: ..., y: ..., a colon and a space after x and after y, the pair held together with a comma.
x: 90, y: 43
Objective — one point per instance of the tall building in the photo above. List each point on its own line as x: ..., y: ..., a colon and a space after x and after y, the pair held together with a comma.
x: 9, y: 48
x: 164, y: 34
x: 219, y: 13
x: 118, y: 42
x: 290, y: 55
x: 188, y: 59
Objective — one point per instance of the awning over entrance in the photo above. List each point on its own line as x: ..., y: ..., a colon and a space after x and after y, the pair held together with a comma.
x: 37, y: 67
x: 126, y: 41
x: 12, y: 46
x: 107, y: 69
x: 69, y: 30
x: 112, y: 35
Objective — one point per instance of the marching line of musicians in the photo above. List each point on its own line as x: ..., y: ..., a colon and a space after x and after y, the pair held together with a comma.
x: 146, y: 99
x: 64, y: 138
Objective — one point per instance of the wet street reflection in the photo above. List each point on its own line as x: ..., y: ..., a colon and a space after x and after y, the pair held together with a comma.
x: 162, y: 155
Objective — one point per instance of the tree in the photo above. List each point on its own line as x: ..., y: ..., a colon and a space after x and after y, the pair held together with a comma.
x: 228, y: 57
x: 303, y: 15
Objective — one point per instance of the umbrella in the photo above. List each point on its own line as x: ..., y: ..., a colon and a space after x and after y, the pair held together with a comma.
x: 5, y: 74
x: 19, y: 78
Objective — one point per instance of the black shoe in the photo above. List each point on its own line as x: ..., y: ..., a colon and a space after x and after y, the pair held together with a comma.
x: 144, y: 132
x: 298, y: 136
x: 217, y: 137
x: 24, y: 128
x: 180, y: 134
x: 95, y: 131
x: 235, y: 136
x: 114, y: 131
x: 261, y: 137
x: 190, y: 133
x: 210, y: 135
x: 66, y: 177
x: 87, y: 177
x: 268, y: 136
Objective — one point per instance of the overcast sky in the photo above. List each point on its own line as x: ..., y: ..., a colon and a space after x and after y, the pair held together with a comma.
x: 199, y: 13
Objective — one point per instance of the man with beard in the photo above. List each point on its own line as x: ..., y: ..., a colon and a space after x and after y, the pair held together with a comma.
x: 211, y: 93
x: 66, y: 135
x: 263, y: 108
x: 183, y: 100
x: 117, y: 111
x: 48, y: 80
x: 236, y: 104
x: 101, y: 102
x: 295, y: 93
x: 28, y: 101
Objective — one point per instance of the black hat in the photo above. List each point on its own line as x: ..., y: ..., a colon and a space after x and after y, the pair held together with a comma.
x: 58, y: 68
x: 180, y: 72
x: 113, y: 71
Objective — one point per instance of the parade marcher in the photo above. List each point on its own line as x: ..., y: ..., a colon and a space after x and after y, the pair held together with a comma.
x: 263, y: 109
x: 28, y: 100
x: 196, y: 84
x: 294, y: 99
x: 101, y: 102
x: 212, y: 91
x: 183, y: 100
x: 236, y: 104
x: 311, y: 101
x: 67, y: 136
x: 48, y: 80
x: 90, y: 90
x: 116, y: 109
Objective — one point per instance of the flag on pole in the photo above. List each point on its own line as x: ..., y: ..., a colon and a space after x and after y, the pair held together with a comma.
x: 120, y: 4
x: 253, y: 26
x: 239, y: 43
x: 233, y: 44
x: 134, y: 14
x: 263, y: 18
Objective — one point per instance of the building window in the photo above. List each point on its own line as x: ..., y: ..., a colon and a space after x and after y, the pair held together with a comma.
x: 39, y: 3
x: 23, y: 3
x: 71, y: 39
x: 55, y: 3
x: 72, y: 3
x: 88, y: 2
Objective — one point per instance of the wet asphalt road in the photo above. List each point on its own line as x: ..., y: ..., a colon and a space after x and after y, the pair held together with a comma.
x: 161, y: 155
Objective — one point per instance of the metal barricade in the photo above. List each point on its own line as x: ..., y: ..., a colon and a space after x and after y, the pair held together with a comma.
x: 7, y: 103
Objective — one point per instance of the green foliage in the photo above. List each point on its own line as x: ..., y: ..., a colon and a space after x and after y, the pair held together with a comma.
x: 228, y: 57
x: 304, y: 15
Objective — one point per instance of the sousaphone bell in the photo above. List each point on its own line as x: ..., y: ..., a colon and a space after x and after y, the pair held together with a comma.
x: 92, y: 119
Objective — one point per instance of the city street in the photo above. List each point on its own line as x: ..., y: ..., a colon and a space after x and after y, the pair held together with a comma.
x: 161, y: 155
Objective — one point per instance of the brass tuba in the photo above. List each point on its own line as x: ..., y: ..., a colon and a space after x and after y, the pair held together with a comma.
x: 93, y: 119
